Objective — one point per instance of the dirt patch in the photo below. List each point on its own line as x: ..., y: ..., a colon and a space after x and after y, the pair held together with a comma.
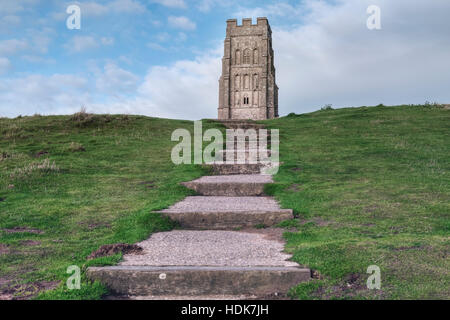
x: 405, y: 248
x: 369, y: 225
x: 95, y: 225
x: 23, y: 229
x: 352, y: 285
x: 268, y: 233
x: 317, y: 221
x: 4, y: 155
x: 271, y: 296
x: 148, y: 184
x: 76, y: 147
x: 371, y: 209
x: 294, y: 187
x: 3, y: 249
x: 10, y: 290
x: 111, y: 249
x: 41, y: 153
x: 30, y: 243
x: 316, y: 275
x: 352, y: 278
x: 320, y: 222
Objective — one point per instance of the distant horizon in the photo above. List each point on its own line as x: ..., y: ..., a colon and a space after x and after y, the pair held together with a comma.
x: 430, y: 104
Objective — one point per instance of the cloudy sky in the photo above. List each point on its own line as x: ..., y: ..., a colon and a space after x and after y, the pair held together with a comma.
x: 162, y: 57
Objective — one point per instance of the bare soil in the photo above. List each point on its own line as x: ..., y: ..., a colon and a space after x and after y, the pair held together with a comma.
x: 111, y: 249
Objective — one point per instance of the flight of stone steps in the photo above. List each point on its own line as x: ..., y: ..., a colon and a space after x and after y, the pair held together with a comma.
x: 218, y: 254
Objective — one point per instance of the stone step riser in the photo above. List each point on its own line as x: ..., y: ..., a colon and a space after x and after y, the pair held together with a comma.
x: 227, y: 189
x: 243, y: 127
x: 228, y: 220
x: 241, y: 156
x: 227, y: 169
x: 192, y: 281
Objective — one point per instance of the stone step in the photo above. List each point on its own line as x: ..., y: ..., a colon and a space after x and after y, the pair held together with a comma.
x: 226, y: 213
x: 193, y: 281
x: 204, y: 263
x: 248, y: 142
x: 230, y: 185
x: 244, y: 154
x: 242, y: 125
x: 233, y: 169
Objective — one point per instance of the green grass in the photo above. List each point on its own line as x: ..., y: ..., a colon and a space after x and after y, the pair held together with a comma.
x: 104, y: 194
x: 369, y: 186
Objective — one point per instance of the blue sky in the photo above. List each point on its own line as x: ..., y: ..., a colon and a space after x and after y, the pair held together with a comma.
x: 162, y: 57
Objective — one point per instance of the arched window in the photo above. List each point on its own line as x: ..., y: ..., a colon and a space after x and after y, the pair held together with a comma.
x: 255, y: 81
x: 255, y: 56
x: 246, y: 100
x: 237, y: 56
x: 255, y: 98
x: 236, y: 98
x: 237, y: 82
x: 246, y: 82
x: 246, y: 56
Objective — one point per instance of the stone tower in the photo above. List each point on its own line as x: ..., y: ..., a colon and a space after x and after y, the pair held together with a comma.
x: 247, y: 88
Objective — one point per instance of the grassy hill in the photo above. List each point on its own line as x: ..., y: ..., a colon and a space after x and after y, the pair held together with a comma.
x: 369, y: 186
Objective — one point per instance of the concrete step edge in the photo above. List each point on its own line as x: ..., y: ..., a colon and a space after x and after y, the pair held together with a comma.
x: 191, y: 281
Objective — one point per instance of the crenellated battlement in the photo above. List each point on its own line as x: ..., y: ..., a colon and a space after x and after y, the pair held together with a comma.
x: 247, y: 22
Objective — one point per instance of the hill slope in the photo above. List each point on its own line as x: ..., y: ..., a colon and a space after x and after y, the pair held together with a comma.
x: 370, y: 186
x: 109, y: 173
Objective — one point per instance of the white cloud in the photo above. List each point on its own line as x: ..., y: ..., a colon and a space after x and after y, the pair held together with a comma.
x: 171, y: 3
x: 186, y: 89
x: 181, y: 23
x: 181, y: 37
x: 107, y: 41
x: 5, y: 65
x: 12, y: 46
x: 278, y: 9
x: 117, y: 81
x: 10, y: 7
x: 206, y: 5
x: 163, y: 36
x: 92, y: 8
x: 129, y: 6
x: 56, y: 94
x: 41, y: 43
x: 156, y: 46
x: 81, y: 43
x: 6, y: 22
x: 334, y: 58
x: 37, y: 59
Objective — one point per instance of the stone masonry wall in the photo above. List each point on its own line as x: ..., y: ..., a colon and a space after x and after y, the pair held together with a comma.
x: 247, y: 87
